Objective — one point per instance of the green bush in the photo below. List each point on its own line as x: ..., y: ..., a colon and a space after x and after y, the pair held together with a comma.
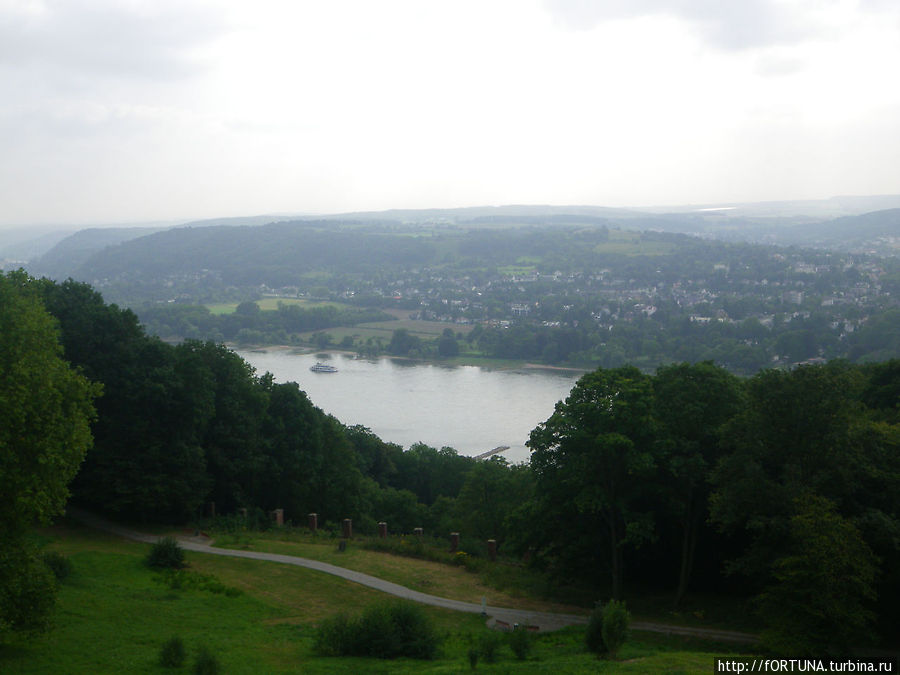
x: 488, y: 646
x: 386, y: 630
x: 172, y: 654
x: 206, y: 663
x: 615, y: 625
x: 473, y: 658
x: 166, y: 554
x: 59, y: 564
x: 521, y: 641
x: 593, y: 635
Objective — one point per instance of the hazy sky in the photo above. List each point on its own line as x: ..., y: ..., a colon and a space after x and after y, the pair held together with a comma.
x: 140, y: 110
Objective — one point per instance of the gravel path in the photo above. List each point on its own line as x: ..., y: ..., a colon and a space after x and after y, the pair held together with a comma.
x: 501, y: 617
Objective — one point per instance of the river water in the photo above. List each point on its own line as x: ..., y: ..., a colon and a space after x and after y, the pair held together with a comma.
x: 469, y: 408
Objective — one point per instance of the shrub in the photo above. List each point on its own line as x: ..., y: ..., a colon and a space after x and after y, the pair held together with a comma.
x: 386, y: 630
x: 615, y: 625
x: 59, y: 564
x: 520, y: 641
x: 206, y: 663
x: 172, y: 654
x: 488, y: 646
x: 166, y: 553
x: 593, y: 635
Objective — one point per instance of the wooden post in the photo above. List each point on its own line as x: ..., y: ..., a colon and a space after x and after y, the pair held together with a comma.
x: 211, y: 509
x: 382, y: 529
x: 313, y: 521
x: 454, y: 542
x: 278, y: 516
x: 492, y: 549
x: 242, y: 512
x: 347, y: 528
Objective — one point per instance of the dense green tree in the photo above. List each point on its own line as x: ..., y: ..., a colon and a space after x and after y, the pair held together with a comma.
x: 402, y: 342
x: 823, y: 584
x: 147, y: 461
x: 591, y: 458
x: 447, y: 345
x: 692, y: 402
x: 45, y: 413
x: 375, y: 458
x: 431, y: 473
x: 492, y: 491
x: 232, y: 439
x: 310, y: 464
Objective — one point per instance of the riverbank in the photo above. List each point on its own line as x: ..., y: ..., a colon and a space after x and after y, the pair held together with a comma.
x: 489, y: 363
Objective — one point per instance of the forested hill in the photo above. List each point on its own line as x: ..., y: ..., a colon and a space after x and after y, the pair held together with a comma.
x: 282, y: 254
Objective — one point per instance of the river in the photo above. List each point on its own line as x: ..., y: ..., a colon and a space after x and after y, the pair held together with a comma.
x: 469, y: 408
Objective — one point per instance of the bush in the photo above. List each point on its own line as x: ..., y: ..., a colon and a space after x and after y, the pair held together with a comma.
x: 386, y: 630
x: 206, y: 663
x: 488, y: 646
x: 166, y: 553
x: 59, y: 564
x: 593, y: 635
x: 172, y: 654
x: 520, y: 641
x: 615, y: 625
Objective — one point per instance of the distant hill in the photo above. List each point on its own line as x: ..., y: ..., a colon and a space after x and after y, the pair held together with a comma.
x: 66, y: 257
x: 856, y: 229
x: 22, y: 244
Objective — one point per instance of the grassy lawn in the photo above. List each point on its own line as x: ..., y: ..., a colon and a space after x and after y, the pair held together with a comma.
x: 421, y: 575
x: 114, y: 614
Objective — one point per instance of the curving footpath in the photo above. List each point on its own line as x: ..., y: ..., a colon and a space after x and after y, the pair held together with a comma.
x: 500, y: 616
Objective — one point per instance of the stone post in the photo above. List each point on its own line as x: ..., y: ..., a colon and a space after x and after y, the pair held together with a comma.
x: 313, y: 521
x: 492, y: 549
x: 454, y: 542
x: 382, y: 529
x: 278, y: 516
x: 347, y: 528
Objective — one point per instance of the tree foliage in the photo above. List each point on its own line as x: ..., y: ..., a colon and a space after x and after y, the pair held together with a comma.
x: 45, y: 413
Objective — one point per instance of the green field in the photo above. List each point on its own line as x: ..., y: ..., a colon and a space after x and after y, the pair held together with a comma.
x: 266, y: 304
x: 114, y: 614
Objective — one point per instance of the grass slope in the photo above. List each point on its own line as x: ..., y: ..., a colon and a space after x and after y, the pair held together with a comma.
x: 114, y: 614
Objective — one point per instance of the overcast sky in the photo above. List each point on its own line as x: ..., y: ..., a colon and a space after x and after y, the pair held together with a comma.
x: 144, y: 110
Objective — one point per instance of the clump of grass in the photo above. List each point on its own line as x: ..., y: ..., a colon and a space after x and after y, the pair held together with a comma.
x: 166, y: 554
x: 181, y: 579
x: 172, y: 654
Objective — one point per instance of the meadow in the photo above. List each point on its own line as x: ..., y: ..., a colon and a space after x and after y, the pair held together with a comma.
x: 114, y: 614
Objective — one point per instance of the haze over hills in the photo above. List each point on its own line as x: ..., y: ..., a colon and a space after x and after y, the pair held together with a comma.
x: 790, y: 223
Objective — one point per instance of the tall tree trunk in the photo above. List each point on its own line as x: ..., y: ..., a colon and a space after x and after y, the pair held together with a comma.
x: 688, y: 547
x: 616, y: 559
